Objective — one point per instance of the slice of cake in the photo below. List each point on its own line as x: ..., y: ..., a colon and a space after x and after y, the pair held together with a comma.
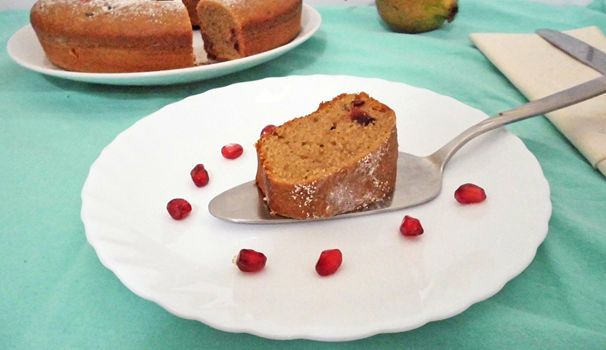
x: 234, y: 29
x: 340, y: 158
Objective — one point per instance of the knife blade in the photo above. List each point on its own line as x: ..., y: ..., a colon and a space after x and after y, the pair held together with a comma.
x: 576, y: 48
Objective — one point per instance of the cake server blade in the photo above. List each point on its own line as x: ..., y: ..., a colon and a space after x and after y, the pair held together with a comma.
x: 419, y: 179
x: 576, y: 48
x: 245, y: 204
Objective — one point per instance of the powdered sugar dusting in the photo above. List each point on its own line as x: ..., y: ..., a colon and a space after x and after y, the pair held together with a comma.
x: 304, y: 193
x: 92, y: 8
x: 343, y: 196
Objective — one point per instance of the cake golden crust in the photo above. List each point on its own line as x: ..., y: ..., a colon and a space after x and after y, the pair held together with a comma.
x: 191, y: 10
x: 114, y: 36
x: 340, y: 158
x: 238, y: 28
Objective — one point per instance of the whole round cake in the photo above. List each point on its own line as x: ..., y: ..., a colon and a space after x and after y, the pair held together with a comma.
x: 118, y: 36
x: 114, y: 36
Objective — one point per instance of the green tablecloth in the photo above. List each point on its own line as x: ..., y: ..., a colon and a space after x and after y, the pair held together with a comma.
x: 55, y: 294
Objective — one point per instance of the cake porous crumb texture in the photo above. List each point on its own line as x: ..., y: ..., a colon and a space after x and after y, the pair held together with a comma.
x: 234, y: 29
x: 340, y: 158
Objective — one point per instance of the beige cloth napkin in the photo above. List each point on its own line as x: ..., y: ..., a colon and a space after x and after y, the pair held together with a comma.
x: 538, y: 69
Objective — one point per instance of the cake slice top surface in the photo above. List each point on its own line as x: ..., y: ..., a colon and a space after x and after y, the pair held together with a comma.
x: 112, y: 8
x: 340, y: 133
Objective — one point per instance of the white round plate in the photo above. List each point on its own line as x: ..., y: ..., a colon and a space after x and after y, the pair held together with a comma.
x: 387, y: 283
x: 24, y: 48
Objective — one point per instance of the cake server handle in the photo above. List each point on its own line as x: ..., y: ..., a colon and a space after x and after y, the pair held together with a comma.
x: 562, y: 99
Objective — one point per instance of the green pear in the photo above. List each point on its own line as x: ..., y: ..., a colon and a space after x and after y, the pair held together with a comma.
x: 416, y: 16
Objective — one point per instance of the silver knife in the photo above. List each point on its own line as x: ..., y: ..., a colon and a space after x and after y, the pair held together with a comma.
x: 576, y: 48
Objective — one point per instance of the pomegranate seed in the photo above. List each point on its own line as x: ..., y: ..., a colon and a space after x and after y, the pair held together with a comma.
x: 411, y: 227
x: 268, y: 130
x: 329, y: 262
x: 199, y: 175
x: 178, y: 208
x: 363, y: 119
x: 249, y: 260
x: 232, y: 151
x: 469, y: 194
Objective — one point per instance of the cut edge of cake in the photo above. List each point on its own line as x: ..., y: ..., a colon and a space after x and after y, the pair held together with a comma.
x: 354, y: 181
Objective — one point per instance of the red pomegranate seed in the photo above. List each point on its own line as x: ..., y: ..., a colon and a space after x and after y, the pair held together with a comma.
x: 411, y: 226
x: 268, y: 130
x: 232, y: 151
x: 199, y: 175
x: 329, y: 262
x: 362, y: 118
x: 249, y: 260
x: 469, y: 194
x: 178, y: 208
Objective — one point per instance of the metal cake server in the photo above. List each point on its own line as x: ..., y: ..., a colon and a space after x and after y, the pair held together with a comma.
x: 419, y: 179
x: 576, y: 48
